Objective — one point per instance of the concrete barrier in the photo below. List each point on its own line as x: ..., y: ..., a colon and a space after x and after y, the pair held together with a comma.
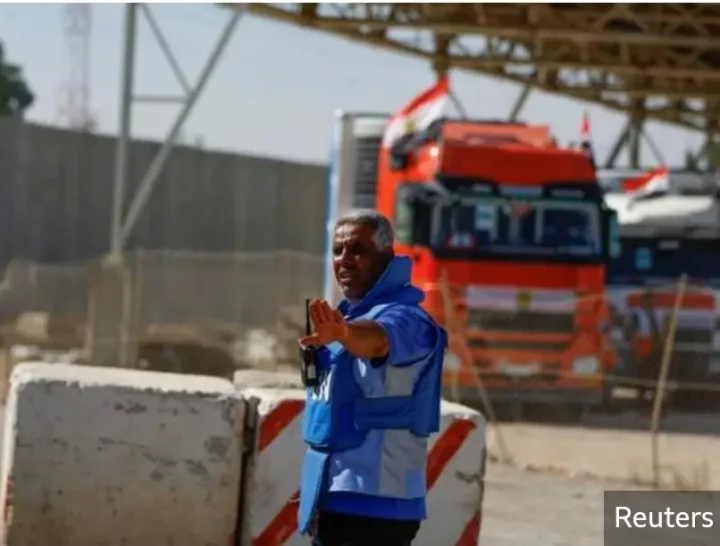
x: 101, y: 456
x: 455, y: 467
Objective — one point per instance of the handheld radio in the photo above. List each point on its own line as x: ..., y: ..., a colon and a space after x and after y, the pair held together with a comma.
x: 309, y: 356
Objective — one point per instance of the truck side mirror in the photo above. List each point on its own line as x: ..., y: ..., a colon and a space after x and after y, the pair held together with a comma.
x: 422, y: 226
x: 398, y: 161
x: 413, y: 217
x: 399, y: 155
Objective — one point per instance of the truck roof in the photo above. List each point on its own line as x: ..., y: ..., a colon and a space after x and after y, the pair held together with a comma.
x: 667, y: 213
x: 518, y: 162
x: 487, y: 132
x: 512, y: 151
x: 373, y: 124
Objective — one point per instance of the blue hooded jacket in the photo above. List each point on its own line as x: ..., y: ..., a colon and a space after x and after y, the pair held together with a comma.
x: 367, y: 424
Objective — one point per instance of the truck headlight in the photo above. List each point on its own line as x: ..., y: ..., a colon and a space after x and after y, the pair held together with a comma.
x: 452, y: 362
x: 586, y: 365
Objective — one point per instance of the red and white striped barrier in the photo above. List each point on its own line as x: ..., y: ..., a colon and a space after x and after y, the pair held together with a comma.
x: 455, y: 468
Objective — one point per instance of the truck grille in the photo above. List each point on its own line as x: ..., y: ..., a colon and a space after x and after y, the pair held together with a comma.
x: 517, y: 345
x: 520, y: 322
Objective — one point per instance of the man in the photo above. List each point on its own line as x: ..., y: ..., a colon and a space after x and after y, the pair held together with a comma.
x: 647, y: 340
x: 380, y: 359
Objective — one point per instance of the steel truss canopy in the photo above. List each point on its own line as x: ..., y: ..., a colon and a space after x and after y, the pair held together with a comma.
x: 651, y: 61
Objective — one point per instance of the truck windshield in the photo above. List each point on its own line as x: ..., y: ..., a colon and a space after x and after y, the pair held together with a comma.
x: 531, y: 227
x: 645, y: 260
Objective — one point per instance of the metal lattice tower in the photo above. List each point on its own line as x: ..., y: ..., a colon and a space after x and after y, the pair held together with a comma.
x: 74, y: 102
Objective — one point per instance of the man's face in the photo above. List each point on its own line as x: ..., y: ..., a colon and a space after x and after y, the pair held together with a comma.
x: 357, y: 262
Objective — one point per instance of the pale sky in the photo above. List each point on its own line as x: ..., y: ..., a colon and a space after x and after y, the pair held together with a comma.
x: 277, y: 86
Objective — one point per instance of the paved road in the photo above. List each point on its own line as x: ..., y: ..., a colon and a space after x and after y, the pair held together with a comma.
x: 523, y: 508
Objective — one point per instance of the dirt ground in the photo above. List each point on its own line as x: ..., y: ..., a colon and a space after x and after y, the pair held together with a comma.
x: 523, y: 508
x: 687, y: 461
x: 553, y: 495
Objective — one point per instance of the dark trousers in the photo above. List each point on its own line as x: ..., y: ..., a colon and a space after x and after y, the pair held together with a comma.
x: 335, y: 529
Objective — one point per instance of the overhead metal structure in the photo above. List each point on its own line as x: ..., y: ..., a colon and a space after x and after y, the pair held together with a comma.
x: 649, y: 61
x: 122, y: 224
x: 110, y: 336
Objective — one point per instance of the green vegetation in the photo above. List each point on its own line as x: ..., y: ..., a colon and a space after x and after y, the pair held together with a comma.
x: 15, y: 94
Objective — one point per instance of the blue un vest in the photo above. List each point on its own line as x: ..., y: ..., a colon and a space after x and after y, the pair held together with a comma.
x: 338, y: 416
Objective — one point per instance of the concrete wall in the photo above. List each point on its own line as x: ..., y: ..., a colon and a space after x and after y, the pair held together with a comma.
x: 97, y: 456
x: 56, y: 196
x: 246, y: 290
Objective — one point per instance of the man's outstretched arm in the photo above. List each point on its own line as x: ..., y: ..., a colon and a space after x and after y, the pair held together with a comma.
x: 399, y: 336
x: 366, y: 339
x: 362, y: 338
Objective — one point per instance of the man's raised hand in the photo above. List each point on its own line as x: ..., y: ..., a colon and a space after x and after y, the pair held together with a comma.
x: 328, y: 325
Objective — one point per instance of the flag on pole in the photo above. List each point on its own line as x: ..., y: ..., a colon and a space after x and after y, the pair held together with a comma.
x: 585, y: 140
x: 653, y: 183
x: 419, y: 113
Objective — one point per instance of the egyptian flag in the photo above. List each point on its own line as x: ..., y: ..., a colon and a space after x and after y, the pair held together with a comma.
x: 419, y: 113
x: 585, y: 141
x: 654, y: 183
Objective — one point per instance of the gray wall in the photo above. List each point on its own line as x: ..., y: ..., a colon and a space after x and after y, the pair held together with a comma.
x: 56, y: 193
